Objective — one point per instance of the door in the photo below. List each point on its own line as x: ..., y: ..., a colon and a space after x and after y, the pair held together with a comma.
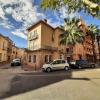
x: 57, y: 64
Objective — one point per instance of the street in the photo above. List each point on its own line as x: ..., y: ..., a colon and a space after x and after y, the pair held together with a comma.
x: 17, y: 84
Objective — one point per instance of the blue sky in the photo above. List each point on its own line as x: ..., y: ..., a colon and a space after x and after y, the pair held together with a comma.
x: 16, y: 16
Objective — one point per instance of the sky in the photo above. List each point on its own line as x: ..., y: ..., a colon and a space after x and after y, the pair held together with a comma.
x: 17, y: 15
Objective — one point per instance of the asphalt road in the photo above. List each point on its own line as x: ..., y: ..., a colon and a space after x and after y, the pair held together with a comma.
x: 16, y: 84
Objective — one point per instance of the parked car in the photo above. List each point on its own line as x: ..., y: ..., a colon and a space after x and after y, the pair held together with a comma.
x: 82, y: 64
x: 72, y: 64
x: 56, y: 65
x: 16, y: 62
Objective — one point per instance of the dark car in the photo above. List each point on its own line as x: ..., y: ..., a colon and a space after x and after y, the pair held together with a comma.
x: 72, y: 64
x: 16, y: 62
x: 82, y: 64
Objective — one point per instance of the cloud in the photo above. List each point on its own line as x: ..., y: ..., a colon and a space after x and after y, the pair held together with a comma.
x: 53, y: 23
x: 63, y: 12
x: 25, y: 13
x: 22, y: 11
x: 2, y: 14
x: 18, y: 33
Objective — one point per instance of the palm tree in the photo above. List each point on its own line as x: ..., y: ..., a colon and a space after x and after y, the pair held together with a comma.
x: 92, y: 31
x: 72, y: 33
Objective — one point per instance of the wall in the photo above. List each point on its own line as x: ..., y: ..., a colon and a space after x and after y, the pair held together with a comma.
x: 3, y: 49
x: 40, y: 58
x: 46, y: 35
x: 37, y: 41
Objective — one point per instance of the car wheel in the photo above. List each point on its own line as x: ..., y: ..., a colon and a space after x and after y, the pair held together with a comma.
x: 93, y: 66
x: 66, y: 68
x: 48, y: 69
x: 79, y: 67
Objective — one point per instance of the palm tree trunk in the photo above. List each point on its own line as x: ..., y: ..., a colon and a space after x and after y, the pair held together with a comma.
x: 93, y: 49
x: 98, y: 41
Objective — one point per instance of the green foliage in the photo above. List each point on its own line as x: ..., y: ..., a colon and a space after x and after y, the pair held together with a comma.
x: 93, y: 31
x: 74, y: 6
x: 72, y: 33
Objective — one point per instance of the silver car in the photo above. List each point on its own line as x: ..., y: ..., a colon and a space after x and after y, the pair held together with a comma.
x: 56, y: 65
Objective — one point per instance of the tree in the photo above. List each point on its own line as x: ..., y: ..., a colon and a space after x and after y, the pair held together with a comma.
x: 88, y: 6
x: 93, y: 31
x: 72, y: 33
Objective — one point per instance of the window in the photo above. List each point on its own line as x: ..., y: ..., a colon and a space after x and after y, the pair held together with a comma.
x: 29, y: 58
x: 63, y: 62
x: 35, y: 32
x: 34, y: 58
x: 53, y: 35
x: 33, y: 35
x: 14, y: 52
x: 67, y: 50
x: 48, y: 58
x: 57, y: 62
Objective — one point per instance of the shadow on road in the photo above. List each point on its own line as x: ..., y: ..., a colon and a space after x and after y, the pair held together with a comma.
x: 25, y: 82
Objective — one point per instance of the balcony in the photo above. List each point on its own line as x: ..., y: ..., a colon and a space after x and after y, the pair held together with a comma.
x: 33, y: 37
x: 69, y: 51
x: 49, y: 48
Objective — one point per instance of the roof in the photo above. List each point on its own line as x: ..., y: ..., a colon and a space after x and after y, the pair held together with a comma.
x: 7, y: 38
x: 41, y: 21
x: 3, y: 36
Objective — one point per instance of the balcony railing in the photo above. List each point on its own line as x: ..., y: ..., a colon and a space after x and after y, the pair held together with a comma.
x: 33, y: 37
x: 36, y: 47
x: 49, y: 48
x: 70, y: 53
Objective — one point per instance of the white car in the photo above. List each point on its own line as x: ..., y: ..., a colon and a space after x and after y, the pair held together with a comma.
x: 56, y: 65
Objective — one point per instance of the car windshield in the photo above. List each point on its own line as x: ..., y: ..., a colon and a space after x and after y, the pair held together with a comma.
x: 81, y: 62
x: 16, y: 60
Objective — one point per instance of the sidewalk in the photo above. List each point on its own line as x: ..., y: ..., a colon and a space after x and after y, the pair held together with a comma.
x: 5, y: 66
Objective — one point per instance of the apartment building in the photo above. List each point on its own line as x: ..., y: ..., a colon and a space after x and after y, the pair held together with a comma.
x: 8, y: 51
x: 97, y: 52
x: 14, y: 52
x: 82, y: 51
x: 18, y: 52
x: 5, y: 48
x: 21, y: 53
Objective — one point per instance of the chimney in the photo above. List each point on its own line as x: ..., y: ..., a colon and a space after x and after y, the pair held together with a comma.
x: 45, y: 20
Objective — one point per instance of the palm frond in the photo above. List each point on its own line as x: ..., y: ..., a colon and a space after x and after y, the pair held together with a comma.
x: 72, y: 34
